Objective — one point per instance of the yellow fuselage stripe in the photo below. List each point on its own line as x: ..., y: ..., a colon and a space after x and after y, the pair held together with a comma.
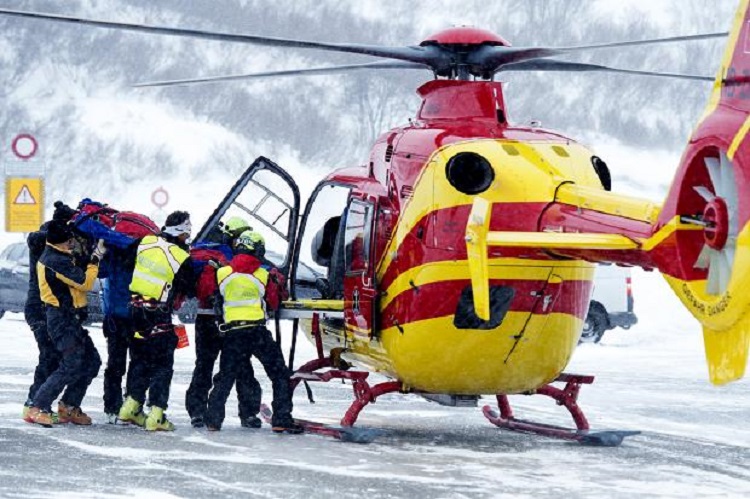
x: 738, y: 138
x: 560, y: 240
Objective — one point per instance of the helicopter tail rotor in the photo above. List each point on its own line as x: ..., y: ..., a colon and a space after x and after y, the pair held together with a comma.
x: 703, y: 246
x: 721, y: 227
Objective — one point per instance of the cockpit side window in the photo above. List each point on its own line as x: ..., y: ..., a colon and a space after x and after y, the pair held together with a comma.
x: 357, y: 237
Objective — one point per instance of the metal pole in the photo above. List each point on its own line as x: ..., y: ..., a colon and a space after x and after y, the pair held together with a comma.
x: 293, y: 346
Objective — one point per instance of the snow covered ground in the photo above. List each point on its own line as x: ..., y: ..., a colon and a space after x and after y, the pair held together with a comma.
x: 695, y: 440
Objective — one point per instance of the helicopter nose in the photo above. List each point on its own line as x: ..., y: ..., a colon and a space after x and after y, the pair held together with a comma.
x: 469, y: 173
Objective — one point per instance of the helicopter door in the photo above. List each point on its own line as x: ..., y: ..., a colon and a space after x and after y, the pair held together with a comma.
x: 268, y: 199
x: 359, y: 269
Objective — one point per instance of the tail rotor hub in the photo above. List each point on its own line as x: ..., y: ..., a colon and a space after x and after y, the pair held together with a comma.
x: 716, y: 217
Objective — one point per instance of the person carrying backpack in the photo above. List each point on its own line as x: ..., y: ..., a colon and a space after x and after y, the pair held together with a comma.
x: 116, y: 325
x: 243, y: 286
x: 208, y: 339
x: 162, y: 272
x: 63, y: 286
x: 122, y: 231
x: 35, y: 314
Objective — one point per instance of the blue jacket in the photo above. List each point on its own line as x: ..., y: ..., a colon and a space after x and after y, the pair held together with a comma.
x: 117, y: 266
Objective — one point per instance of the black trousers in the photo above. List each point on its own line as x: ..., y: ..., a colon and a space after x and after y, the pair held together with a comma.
x: 208, y: 344
x: 79, y: 364
x: 49, y: 358
x: 152, y: 357
x: 239, y: 345
x: 117, y: 331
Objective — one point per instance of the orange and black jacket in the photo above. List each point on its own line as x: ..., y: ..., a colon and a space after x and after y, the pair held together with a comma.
x: 62, y: 284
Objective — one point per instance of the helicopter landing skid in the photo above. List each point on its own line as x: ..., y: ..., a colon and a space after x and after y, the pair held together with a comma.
x: 345, y: 434
x: 364, y: 394
x: 567, y: 397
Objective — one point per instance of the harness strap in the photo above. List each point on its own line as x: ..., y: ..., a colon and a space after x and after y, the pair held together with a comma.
x: 157, y: 330
x: 231, y: 326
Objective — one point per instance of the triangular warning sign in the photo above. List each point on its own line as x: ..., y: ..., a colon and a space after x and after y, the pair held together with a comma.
x: 24, y: 196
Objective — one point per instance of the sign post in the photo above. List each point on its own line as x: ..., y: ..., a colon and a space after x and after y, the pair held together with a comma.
x: 24, y: 187
x: 24, y: 146
x: 160, y: 198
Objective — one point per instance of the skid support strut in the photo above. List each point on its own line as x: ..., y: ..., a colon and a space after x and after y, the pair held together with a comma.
x: 363, y: 395
x: 567, y: 397
x: 363, y: 392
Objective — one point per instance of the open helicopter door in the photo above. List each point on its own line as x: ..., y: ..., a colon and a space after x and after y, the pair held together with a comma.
x: 268, y: 199
x: 360, y: 293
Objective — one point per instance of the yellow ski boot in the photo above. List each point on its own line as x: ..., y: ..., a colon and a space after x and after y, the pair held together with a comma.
x: 157, y: 420
x: 132, y: 412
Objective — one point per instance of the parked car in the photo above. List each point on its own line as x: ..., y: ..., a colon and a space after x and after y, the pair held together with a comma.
x: 14, y: 283
x: 611, y: 303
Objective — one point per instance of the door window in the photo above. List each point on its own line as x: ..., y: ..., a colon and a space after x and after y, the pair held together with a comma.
x: 266, y: 203
x: 5, y: 253
x: 320, y: 270
x: 357, y: 237
x: 17, y: 253
x: 266, y: 199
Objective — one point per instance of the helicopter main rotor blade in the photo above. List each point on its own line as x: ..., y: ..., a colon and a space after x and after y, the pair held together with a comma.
x: 426, y: 55
x: 445, y: 60
x: 557, y: 65
x: 492, y: 58
x: 290, y: 72
x: 652, y: 41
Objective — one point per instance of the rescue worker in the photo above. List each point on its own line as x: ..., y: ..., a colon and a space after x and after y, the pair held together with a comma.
x: 63, y: 287
x: 162, y: 272
x: 117, y: 326
x: 208, y: 340
x: 243, y: 286
x: 34, y: 312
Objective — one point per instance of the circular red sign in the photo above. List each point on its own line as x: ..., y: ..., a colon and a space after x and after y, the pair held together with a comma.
x: 22, y: 142
x: 160, y: 197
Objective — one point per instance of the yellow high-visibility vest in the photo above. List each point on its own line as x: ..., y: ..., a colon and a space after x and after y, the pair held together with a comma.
x: 156, y: 264
x: 244, y: 294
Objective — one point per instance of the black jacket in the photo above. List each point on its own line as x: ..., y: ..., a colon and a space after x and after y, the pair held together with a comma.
x: 36, y: 242
x: 62, y: 284
x: 185, y: 280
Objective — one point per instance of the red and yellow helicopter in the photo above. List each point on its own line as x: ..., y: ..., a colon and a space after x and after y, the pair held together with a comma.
x: 458, y: 261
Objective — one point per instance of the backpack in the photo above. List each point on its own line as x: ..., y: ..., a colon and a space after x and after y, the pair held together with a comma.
x: 118, y: 229
x: 96, y: 211
x: 135, y: 225
x: 200, y: 255
x: 276, y: 291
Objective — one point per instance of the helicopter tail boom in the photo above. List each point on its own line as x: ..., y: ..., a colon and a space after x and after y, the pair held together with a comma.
x: 699, y: 239
x: 704, y: 248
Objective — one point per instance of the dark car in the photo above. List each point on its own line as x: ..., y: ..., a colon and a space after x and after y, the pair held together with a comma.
x: 14, y: 283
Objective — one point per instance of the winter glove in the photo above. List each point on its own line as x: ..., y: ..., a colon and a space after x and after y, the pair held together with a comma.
x: 100, y: 249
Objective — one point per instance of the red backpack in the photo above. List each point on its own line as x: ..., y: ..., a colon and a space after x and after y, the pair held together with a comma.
x: 91, y: 210
x: 206, y: 285
x: 134, y: 225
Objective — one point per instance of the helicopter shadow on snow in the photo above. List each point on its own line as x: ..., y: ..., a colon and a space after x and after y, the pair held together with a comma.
x: 464, y: 437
